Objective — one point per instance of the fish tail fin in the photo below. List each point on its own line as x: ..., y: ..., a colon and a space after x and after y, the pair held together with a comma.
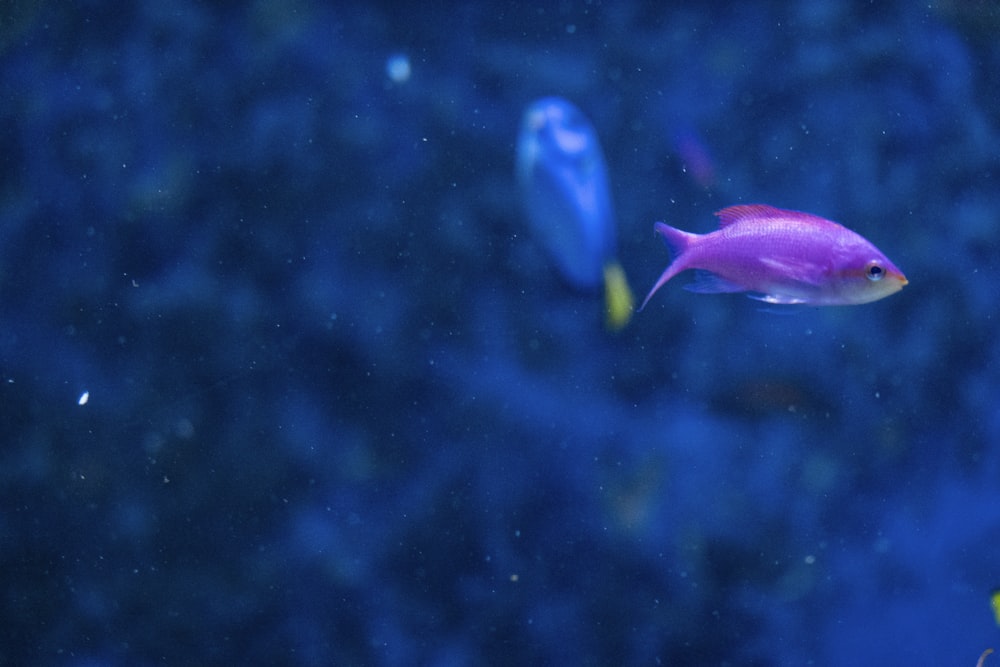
x: 677, y: 242
x: 618, y: 300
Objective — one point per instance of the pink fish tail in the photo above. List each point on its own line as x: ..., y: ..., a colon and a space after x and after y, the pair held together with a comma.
x: 677, y: 242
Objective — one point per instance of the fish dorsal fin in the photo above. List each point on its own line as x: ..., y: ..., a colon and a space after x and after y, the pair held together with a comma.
x: 746, y: 212
x: 752, y: 212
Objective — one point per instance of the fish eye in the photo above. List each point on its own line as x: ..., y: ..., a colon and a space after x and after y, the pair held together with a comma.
x: 874, y: 272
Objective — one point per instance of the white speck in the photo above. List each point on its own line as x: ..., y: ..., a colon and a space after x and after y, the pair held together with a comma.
x: 398, y: 68
x: 84, y: 397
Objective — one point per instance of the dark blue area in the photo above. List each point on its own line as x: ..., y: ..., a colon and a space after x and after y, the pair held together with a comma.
x: 343, y: 411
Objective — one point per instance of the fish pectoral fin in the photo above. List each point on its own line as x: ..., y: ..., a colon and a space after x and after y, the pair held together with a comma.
x: 807, y: 273
x: 706, y: 282
x: 776, y: 298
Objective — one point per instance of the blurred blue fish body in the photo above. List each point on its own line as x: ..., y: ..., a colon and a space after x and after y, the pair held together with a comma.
x: 564, y: 187
x: 564, y: 184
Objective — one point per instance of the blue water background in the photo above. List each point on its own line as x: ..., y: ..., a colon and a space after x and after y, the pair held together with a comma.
x: 343, y: 410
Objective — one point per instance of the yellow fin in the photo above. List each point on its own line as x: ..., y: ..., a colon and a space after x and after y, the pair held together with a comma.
x: 618, y: 300
x: 995, y: 603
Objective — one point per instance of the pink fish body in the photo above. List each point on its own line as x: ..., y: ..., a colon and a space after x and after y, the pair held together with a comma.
x: 781, y: 256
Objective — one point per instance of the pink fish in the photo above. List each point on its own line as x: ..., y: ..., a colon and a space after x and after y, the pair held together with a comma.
x: 781, y: 256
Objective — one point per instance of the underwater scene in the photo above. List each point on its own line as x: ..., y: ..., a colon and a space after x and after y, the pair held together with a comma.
x: 385, y: 334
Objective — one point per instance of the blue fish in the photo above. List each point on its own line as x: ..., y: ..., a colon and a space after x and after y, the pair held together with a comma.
x: 564, y: 185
